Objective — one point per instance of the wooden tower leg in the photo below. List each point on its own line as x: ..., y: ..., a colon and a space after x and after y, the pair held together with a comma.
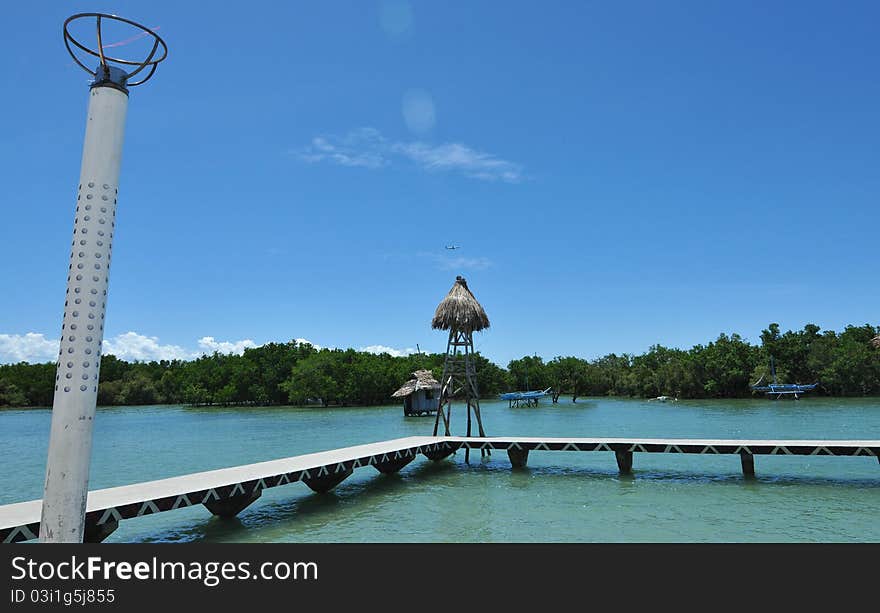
x: 467, y: 450
x: 437, y: 417
x: 447, y: 387
x: 445, y: 416
x: 459, y: 375
x: 483, y: 452
x: 473, y: 392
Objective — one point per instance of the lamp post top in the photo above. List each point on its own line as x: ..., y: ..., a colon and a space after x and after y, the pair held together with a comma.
x: 113, y: 71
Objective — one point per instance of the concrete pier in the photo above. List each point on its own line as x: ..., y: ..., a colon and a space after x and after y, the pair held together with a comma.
x: 226, y: 492
x: 392, y: 466
x: 323, y: 483
x: 96, y: 533
x: 748, y: 464
x: 518, y: 457
x: 624, y: 462
x: 440, y: 454
x: 232, y: 506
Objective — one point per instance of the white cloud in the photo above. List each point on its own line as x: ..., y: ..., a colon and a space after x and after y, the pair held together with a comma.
x: 132, y: 346
x: 367, y: 148
x: 30, y: 347
x: 209, y: 345
x: 359, y: 148
x: 390, y: 350
x: 458, y: 157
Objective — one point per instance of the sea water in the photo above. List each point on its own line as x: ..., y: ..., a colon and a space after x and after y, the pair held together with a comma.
x: 560, y: 497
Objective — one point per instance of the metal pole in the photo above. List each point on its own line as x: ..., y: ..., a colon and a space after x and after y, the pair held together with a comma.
x: 82, y: 332
x: 85, y: 302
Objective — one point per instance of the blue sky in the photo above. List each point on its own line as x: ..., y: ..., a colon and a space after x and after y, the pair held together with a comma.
x: 617, y: 174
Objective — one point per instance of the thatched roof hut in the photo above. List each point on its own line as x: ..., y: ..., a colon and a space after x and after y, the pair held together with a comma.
x: 422, y: 379
x: 459, y: 310
x: 421, y: 394
x: 876, y: 341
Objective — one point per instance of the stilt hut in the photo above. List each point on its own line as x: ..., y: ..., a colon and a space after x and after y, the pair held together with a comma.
x: 421, y: 394
x: 460, y: 314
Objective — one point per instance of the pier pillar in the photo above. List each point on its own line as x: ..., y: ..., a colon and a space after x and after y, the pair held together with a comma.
x: 230, y: 507
x: 518, y: 457
x: 327, y: 482
x: 439, y: 454
x: 748, y: 464
x: 624, y: 462
x: 392, y: 466
x: 96, y: 533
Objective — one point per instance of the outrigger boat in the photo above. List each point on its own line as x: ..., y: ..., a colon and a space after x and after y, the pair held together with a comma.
x: 521, y: 395
x: 780, y: 390
x: 527, y: 398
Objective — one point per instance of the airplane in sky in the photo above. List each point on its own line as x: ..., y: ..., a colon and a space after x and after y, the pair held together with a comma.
x: 453, y: 246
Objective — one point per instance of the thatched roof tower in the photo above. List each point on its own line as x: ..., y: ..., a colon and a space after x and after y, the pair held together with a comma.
x: 460, y: 314
x: 459, y: 310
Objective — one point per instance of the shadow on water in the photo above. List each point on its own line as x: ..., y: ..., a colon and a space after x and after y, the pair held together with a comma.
x: 521, y: 476
x: 580, y: 404
x: 303, y: 506
x: 310, y: 507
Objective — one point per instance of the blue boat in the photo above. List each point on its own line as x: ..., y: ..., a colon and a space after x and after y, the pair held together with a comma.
x: 527, y: 398
x: 780, y: 390
x: 521, y: 395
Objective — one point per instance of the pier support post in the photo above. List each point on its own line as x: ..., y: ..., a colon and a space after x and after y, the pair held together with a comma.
x: 624, y: 462
x: 392, y: 466
x: 327, y: 482
x: 230, y: 507
x: 96, y: 533
x: 439, y: 454
x: 748, y: 464
x: 518, y: 457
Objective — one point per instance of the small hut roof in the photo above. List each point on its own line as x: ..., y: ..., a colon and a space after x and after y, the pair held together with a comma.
x: 876, y: 341
x: 422, y: 379
x: 460, y: 310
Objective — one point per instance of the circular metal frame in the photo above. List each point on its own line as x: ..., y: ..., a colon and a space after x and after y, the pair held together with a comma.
x: 150, y: 62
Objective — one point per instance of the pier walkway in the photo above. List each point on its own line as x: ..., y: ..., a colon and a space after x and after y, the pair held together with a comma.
x: 227, y: 491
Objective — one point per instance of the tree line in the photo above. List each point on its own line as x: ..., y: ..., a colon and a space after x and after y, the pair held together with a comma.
x: 272, y: 374
x: 844, y: 364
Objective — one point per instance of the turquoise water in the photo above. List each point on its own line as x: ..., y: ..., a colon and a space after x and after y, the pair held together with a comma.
x: 561, y: 497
